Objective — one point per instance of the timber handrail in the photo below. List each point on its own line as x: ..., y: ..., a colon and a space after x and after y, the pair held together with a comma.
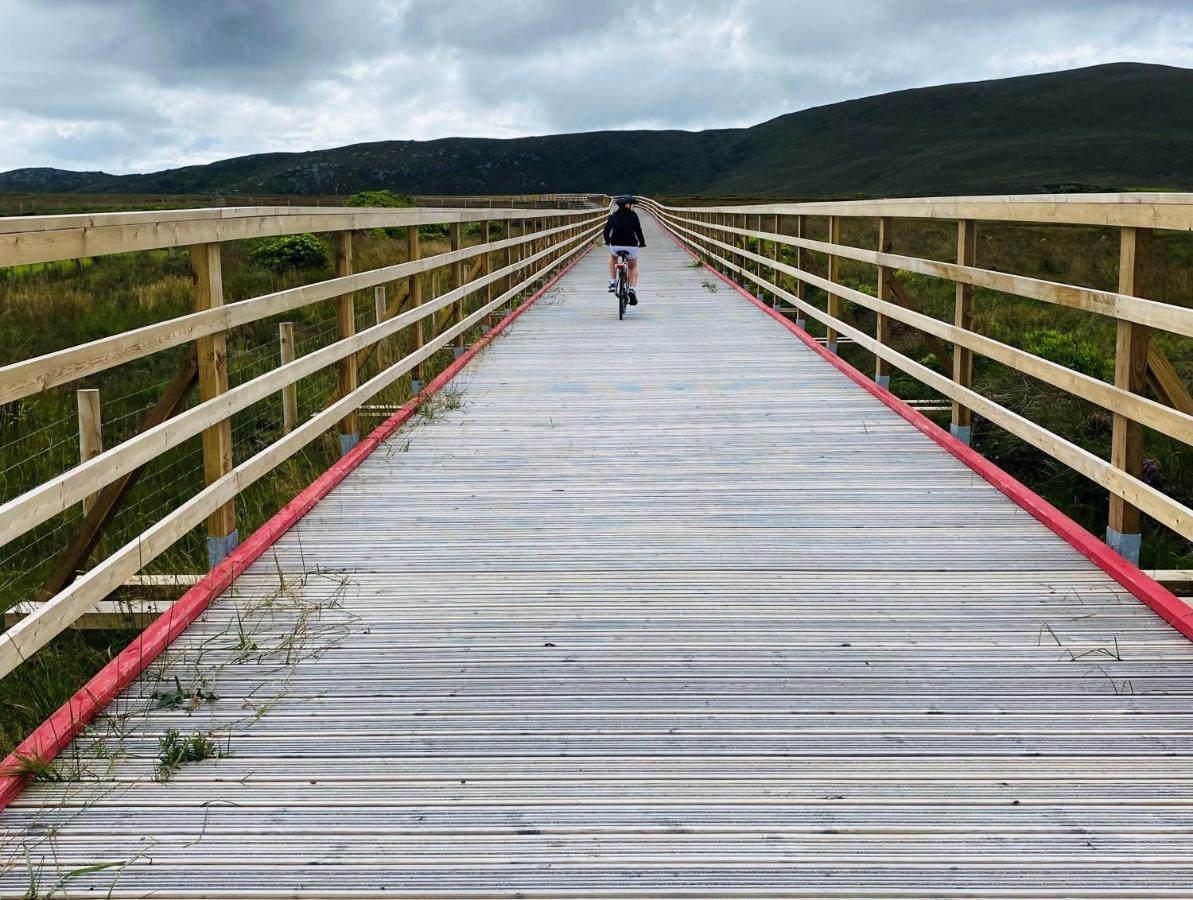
x: 720, y: 235
x: 31, y: 376
x: 557, y: 236
x: 26, y: 240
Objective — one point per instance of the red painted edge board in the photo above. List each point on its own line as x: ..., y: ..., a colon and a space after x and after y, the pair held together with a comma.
x: 52, y: 736
x: 1158, y: 598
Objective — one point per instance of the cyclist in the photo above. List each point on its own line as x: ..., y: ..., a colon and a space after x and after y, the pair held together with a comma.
x: 623, y: 232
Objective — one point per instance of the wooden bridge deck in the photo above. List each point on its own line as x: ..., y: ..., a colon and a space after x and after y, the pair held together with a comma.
x: 657, y: 607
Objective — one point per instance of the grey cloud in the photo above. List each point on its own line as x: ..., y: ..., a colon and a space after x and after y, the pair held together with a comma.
x: 138, y: 84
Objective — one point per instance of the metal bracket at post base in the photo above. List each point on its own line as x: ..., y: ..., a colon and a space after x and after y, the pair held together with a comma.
x: 219, y: 547
x: 415, y: 387
x: 802, y: 324
x: 348, y: 441
x: 883, y: 381
x: 831, y: 346
x: 1125, y: 545
x: 457, y: 352
x: 963, y: 433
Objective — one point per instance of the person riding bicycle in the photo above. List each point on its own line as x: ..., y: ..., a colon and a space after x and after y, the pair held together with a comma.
x: 623, y: 233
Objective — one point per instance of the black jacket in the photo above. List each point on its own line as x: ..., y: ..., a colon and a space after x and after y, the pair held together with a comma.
x: 622, y: 229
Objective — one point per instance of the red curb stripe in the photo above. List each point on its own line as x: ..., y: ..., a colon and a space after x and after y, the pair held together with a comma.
x: 52, y: 736
x: 1154, y: 595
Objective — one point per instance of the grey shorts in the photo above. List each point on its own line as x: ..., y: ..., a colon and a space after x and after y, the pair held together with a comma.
x: 632, y: 251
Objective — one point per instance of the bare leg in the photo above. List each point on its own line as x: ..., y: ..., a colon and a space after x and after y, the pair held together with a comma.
x: 612, y: 267
x: 633, y: 273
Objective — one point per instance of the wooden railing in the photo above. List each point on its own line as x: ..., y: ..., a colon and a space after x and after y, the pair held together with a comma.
x: 522, y: 201
x: 771, y: 249
x: 536, y: 242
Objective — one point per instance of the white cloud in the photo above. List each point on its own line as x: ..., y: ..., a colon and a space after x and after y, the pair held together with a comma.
x: 139, y: 85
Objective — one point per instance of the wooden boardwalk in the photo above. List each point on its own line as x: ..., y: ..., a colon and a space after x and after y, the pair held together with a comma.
x: 662, y: 607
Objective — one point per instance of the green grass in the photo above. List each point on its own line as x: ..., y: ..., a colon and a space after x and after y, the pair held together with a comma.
x: 175, y: 750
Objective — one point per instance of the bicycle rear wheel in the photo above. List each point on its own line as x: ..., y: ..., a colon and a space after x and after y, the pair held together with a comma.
x: 623, y: 296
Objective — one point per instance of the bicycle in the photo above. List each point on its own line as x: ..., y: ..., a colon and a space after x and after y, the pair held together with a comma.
x: 623, y: 282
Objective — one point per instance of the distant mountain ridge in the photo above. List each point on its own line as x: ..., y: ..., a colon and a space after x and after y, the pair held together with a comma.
x: 1112, y: 127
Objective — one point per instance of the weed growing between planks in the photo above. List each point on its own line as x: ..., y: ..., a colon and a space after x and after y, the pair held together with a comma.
x: 174, y: 750
x: 253, y: 638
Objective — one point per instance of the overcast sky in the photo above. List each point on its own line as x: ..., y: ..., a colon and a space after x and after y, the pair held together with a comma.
x: 139, y: 85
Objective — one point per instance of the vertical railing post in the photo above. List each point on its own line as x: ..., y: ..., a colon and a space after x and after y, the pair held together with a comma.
x: 512, y: 255
x: 743, y: 244
x: 415, y: 292
x: 212, y: 357
x: 961, y: 425
x: 457, y: 281
x: 731, y: 240
x: 345, y: 328
x: 1125, y: 527
x: 834, y: 302
x: 91, y: 436
x: 776, y: 255
x: 800, y: 289
x: 882, y: 325
x: 384, y: 356
x: 286, y: 350
x: 487, y: 269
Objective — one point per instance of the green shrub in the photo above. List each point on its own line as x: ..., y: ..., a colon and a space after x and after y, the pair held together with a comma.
x: 1069, y: 351
x: 382, y: 199
x: 291, y: 251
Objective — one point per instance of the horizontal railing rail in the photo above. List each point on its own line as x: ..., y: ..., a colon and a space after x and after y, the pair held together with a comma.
x: 773, y: 259
x: 559, y: 201
x: 26, y: 240
x: 431, y: 324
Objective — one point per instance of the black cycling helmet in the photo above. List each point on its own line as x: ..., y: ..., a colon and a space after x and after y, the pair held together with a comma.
x: 624, y: 200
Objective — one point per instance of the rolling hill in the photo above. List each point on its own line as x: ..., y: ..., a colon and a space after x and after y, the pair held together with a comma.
x: 1110, y: 127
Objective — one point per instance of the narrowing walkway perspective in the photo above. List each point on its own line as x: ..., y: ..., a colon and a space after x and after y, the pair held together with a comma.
x: 667, y: 606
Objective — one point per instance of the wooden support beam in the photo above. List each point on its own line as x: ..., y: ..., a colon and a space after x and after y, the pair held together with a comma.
x: 457, y: 280
x: 742, y: 242
x: 801, y: 289
x: 1123, y: 531
x: 414, y: 290
x: 380, y: 314
x: 944, y: 357
x: 962, y: 417
x: 834, y: 302
x: 212, y: 359
x: 447, y: 315
x: 776, y: 253
x: 345, y: 328
x: 395, y: 306
x: 513, y: 255
x: 91, y: 436
x: 487, y: 269
x: 286, y: 350
x: 759, y: 250
x: 882, y: 324
x: 1164, y: 381
x: 1179, y: 581
x: 108, y: 501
